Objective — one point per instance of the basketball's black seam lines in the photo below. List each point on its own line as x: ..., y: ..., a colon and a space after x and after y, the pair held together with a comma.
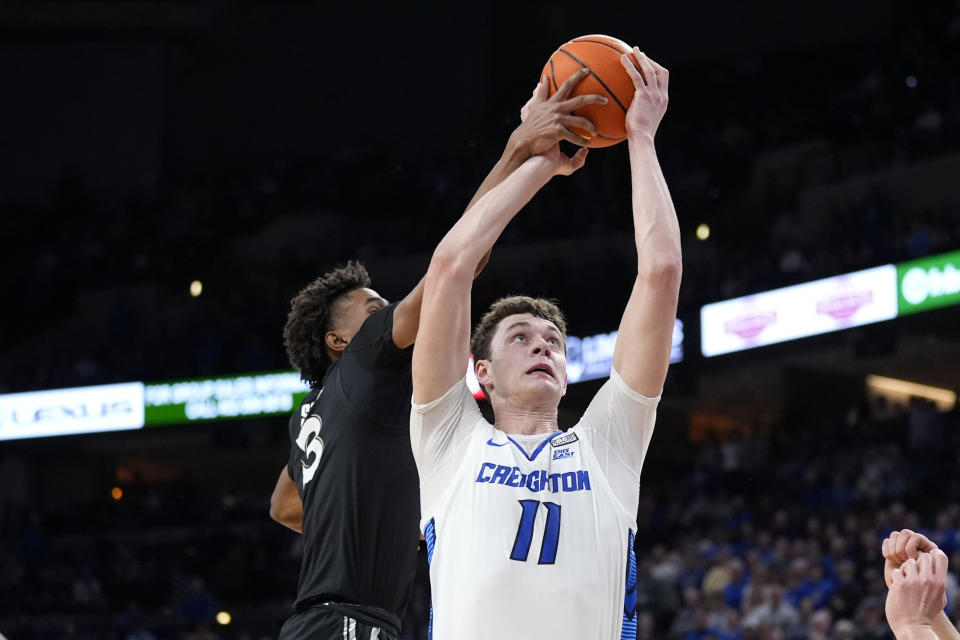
x: 602, y: 83
x: 553, y: 76
x: 620, y: 51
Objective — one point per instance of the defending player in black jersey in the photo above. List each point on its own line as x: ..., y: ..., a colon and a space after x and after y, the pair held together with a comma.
x: 350, y: 484
x: 349, y: 458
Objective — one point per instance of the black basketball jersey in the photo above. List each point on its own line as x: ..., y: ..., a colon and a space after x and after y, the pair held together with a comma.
x: 352, y: 462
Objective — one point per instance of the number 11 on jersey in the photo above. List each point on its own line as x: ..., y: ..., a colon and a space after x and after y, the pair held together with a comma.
x: 551, y: 532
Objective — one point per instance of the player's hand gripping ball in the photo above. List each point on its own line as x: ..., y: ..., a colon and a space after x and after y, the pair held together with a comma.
x: 601, y: 54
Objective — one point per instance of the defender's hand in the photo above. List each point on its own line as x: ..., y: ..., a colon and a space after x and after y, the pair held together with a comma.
x: 545, y: 121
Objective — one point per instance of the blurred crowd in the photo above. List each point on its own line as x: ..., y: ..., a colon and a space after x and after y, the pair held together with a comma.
x: 764, y: 531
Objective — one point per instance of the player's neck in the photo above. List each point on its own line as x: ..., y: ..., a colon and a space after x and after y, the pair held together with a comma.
x: 525, y: 421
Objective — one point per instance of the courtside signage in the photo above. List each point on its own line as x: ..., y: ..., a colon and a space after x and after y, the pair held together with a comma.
x: 204, y: 399
x: 63, y: 412
x: 812, y: 308
x: 929, y: 283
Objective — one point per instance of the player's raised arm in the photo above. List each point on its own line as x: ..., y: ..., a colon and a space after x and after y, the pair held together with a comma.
x: 642, y: 352
x: 544, y: 121
x: 443, y: 347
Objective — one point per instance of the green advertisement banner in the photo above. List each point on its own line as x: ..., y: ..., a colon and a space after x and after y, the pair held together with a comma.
x: 928, y: 283
x: 225, y: 398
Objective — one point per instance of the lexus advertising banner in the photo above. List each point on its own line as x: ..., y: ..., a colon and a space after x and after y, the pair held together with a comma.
x: 64, y: 412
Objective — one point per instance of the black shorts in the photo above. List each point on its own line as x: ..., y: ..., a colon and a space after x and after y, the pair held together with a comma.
x: 333, y: 621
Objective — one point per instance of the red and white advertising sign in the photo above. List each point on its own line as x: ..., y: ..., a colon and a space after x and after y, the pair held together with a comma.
x: 808, y: 309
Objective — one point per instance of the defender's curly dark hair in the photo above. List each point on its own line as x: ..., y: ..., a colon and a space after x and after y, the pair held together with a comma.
x: 312, y: 313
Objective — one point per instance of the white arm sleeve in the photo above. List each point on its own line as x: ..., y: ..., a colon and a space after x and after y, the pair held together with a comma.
x: 439, y: 431
x: 620, y: 423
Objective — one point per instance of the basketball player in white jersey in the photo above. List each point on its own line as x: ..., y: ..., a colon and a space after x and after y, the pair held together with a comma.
x: 530, y: 529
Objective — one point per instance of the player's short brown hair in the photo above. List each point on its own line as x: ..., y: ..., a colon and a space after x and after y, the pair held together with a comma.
x: 537, y: 307
x: 312, y: 314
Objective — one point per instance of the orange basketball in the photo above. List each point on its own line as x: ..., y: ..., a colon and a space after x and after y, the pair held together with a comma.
x: 607, y: 77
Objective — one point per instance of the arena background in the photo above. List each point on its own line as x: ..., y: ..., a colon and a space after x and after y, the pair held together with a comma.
x: 249, y: 146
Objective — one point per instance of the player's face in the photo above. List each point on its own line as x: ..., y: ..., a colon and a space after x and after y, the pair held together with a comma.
x: 360, y: 303
x: 527, y: 360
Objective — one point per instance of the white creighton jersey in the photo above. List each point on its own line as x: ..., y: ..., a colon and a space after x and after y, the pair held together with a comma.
x: 531, y: 537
